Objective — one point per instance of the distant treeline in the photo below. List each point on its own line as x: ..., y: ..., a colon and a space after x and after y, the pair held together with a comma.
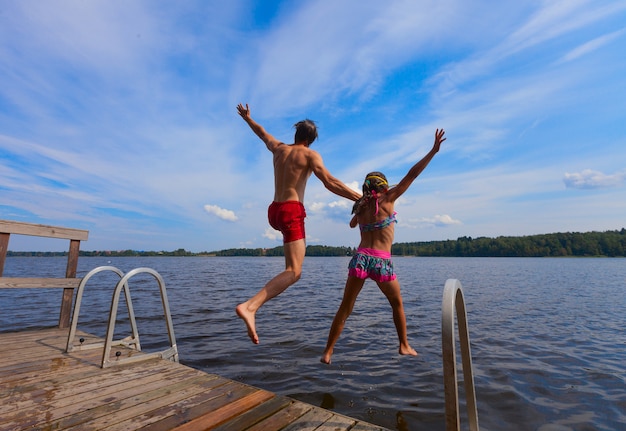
x: 608, y: 244
x: 106, y: 253
x: 311, y: 250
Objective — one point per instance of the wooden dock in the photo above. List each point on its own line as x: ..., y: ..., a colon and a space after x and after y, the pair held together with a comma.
x: 44, y: 388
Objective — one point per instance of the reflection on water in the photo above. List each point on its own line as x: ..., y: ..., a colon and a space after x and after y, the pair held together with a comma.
x: 547, y: 335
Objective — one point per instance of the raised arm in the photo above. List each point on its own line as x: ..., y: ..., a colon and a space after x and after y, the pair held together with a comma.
x: 269, y: 140
x: 395, y: 192
x: 331, y: 183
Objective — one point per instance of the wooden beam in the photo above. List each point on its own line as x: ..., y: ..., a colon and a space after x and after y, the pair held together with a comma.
x: 31, y: 229
x: 24, y: 282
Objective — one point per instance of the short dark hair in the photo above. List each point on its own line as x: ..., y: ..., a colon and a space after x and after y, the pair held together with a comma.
x: 306, y: 130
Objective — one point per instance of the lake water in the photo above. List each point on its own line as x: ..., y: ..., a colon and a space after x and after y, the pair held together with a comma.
x: 548, y: 335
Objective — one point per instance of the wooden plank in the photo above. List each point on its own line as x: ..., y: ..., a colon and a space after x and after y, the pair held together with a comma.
x: 88, y: 386
x: 132, y: 412
x: 282, y: 418
x: 310, y: 421
x: 34, y: 283
x: 225, y: 412
x: 337, y: 422
x: 255, y: 415
x: 41, y: 387
x: 121, y: 404
x: 31, y: 229
x: 26, y: 351
x: 364, y: 426
x: 174, y: 411
x: 40, y: 369
x: 52, y: 335
x: 52, y: 405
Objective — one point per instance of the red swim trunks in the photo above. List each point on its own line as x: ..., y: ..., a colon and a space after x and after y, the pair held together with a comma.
x: 287, y: 217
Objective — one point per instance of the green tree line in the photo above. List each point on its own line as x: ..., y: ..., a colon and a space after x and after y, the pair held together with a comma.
x: 609, y: 243
x: 311, y: 250
x: 587, y: 244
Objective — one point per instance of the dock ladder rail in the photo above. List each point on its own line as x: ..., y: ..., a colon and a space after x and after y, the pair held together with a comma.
x: 453, y: 298
x: 131, y: 341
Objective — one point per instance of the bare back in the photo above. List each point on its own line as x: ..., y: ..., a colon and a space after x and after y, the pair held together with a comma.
x: 292, y: 169
x: 379, y: 239
x: 293, y: 165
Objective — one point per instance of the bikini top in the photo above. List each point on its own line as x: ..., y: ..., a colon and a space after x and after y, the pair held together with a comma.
x: 381, y: 224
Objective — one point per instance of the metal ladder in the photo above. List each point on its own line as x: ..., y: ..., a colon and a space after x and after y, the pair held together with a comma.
x: 132, y: 341
x: 453, y: 298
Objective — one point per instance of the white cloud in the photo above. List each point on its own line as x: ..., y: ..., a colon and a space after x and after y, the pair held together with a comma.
x: 590, y: 179
x: 335, y: 211
x: 272, y: 234
x: 354, y: 185
x: 316, y: 207
x: 592, y: 45
x: 339, y: 204
x: 442, y: 220
x: 222, y: 213
x: 344, y: 205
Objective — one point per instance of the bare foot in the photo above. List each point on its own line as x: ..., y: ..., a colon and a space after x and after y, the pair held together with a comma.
x: 325, y: 359
x: 248, y: 318
x: 407, y: 350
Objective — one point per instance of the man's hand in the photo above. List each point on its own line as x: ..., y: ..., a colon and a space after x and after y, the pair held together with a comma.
x: 244, y: 112
x: 271, y: 142
x: 438, y: 139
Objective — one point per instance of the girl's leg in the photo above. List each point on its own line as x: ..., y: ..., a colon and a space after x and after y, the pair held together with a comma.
x: 391, y: 289
x: 351, y: 291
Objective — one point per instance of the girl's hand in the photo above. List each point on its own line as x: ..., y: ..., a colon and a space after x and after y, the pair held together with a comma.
x: 244, y: 112
x: 438, y: 139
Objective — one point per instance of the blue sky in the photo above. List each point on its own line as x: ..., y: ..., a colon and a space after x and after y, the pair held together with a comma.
x: 120, y: 117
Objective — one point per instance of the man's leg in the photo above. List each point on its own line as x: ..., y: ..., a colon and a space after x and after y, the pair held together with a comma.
x: 294, y: 257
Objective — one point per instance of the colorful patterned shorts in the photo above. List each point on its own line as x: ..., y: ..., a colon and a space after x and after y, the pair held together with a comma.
x: 371, y: 263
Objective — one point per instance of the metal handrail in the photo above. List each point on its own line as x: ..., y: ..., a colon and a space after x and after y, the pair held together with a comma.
x: 171, y: 353
x: 453, y: 298
x: 131, y: 341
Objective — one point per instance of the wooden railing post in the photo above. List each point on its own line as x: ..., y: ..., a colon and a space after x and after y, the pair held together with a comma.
x: 4, y: 245
x: 68, y: 294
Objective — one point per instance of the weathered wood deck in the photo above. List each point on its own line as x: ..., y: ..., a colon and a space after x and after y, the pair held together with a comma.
x: 44, y: 388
